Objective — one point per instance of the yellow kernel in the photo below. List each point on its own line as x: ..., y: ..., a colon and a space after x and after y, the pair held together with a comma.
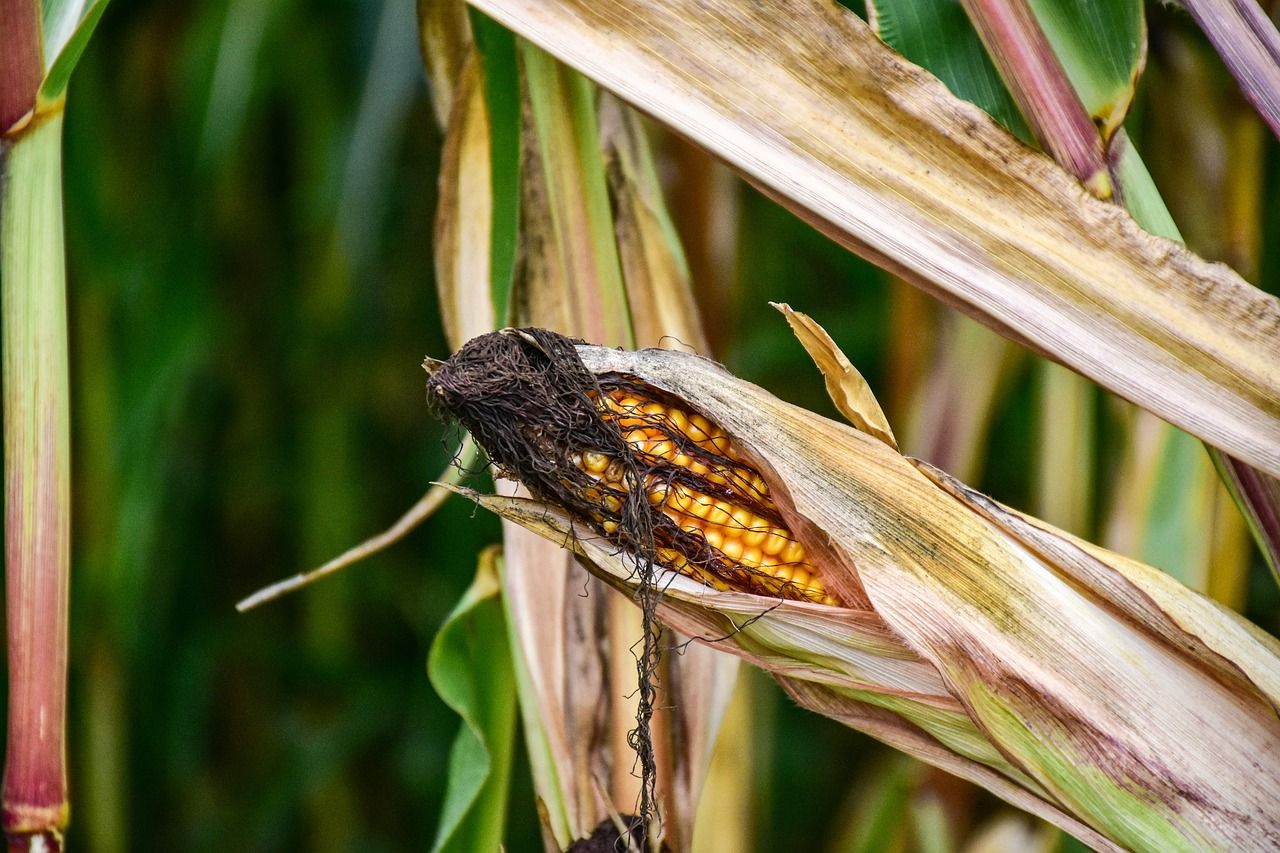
x: 682, y: 460
x: 610, y: 527
x: 678, y: 419
x: 793, y: 553
x: 775, y: 541
x: 714, y: 537
x: 751, y: 557
x: 800, y: 578
x: 682, y: 499
x: 741, y: 518
x: 661, y: 448
x: 653, y: 409
x: 757, y: 530
x: 701, y: 505
x: 595, y: 462
x: 732, y: 548
x: 719, y: 513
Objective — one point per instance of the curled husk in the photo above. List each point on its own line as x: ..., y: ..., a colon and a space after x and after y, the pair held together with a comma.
x: 1085, y: 687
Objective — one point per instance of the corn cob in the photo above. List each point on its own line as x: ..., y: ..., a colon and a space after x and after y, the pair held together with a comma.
x: 641, y: 469
x: 718, y: 523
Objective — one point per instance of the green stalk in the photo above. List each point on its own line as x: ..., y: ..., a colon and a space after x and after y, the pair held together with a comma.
x: 37, y: 468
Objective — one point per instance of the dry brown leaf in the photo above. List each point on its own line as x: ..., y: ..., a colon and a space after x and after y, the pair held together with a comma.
x: 846, y: 387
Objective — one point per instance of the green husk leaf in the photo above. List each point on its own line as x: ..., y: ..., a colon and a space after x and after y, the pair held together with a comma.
x: 470, y: 669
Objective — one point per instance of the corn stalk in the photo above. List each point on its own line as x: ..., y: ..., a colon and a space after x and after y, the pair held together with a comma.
x: 40, y: 44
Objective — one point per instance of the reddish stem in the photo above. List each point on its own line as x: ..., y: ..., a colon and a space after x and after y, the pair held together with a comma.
x: 37, y: 483
x: 1042, y: 90
x: 20, y: 64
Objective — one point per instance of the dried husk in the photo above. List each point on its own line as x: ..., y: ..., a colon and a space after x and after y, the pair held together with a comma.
x: 1082, y: 686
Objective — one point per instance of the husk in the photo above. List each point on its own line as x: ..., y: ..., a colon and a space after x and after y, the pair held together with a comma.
x: 1084, y: 687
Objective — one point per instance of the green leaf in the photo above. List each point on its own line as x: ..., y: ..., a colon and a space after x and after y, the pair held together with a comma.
x: 470, y: 668
x: 1102, y: 47
x: 937, y: 35
x: 67, y: 26
x: 497, y: 48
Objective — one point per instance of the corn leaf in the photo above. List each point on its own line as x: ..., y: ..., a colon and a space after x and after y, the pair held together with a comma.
x: 937, y: 35
x: 66, y: 26
x: 465, y: 216
x: 1248, y: 42
x: 444, y: 37
x: 502, y: 101
x: 1102, y: 46
x: 654, y: 268
x: 882, y: 157
x: 471, y: 671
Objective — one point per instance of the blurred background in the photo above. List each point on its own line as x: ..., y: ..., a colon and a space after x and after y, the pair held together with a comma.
x: 250, y: 186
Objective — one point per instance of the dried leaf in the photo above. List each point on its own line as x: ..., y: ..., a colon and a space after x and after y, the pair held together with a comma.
x: 805, y: 100
x: 465, y: 214
x: 845, y: 385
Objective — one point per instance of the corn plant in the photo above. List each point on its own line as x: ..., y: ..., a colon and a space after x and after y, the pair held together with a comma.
x: 810, y: 106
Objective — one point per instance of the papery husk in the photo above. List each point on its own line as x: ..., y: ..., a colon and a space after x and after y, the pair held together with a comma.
x: 1082, y: 686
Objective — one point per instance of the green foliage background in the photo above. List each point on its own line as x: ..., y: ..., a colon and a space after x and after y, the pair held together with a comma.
x: 250, y: 187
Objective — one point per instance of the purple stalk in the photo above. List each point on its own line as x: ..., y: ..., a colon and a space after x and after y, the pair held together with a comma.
x: 1259, y: 495
x: 33, y: 350
x: 37, y: 485
x: 1248, y: 43
x: 1039, y: 85
x: 20, y: 65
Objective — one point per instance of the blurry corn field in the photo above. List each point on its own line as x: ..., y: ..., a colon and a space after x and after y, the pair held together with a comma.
x: 251, y: 195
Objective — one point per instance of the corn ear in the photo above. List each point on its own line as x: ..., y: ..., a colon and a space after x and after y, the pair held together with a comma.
x: 1082, y: 686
